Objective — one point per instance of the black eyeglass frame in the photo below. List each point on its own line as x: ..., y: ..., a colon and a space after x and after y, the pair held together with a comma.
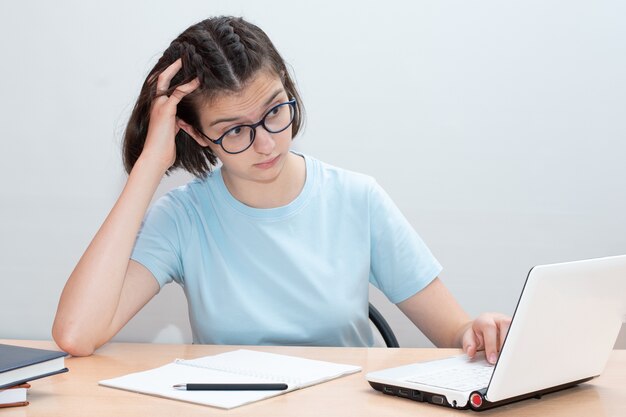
x: 218, y: 141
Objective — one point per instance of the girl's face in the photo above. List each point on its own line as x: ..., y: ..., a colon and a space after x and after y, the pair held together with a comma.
x: 264, y: 160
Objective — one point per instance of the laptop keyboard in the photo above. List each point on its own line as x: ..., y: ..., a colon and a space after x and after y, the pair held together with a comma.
x: 469, y: 377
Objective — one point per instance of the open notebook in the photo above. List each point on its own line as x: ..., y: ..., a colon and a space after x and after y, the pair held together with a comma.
x: 238, y: 366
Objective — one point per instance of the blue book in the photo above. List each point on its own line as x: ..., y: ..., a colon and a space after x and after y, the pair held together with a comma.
x: 20, y: 364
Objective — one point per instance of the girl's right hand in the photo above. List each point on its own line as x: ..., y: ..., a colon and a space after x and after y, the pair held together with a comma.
x: 106, y: 289
x: 160, y: 146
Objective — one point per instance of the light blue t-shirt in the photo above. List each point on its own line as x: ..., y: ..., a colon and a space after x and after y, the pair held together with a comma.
x: 292, y: 275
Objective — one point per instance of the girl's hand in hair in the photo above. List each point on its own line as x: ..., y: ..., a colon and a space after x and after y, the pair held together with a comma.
x: 160, y: 147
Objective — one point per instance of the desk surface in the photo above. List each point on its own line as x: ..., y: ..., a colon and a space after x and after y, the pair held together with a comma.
x: 77, y: 392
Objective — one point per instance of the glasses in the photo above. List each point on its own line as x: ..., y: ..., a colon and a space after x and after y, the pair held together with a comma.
x: 239, y: 138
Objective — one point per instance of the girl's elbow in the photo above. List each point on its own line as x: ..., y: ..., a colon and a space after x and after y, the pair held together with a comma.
x: 72, y: 342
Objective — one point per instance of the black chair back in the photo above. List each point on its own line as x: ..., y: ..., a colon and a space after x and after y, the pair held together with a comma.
x: 383, y: 327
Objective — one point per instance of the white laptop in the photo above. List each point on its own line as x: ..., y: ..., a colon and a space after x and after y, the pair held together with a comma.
x: 563, y: 331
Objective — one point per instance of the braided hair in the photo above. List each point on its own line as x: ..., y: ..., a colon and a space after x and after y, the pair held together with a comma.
x: 223, y: 53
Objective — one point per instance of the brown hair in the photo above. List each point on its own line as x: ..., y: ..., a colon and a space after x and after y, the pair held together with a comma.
x: 223, y: 53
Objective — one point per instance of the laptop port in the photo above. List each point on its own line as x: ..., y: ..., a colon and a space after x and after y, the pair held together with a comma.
x: 387, y: 390
x: 417, y: 395
x: 437, y: 399
x: 403, y: 392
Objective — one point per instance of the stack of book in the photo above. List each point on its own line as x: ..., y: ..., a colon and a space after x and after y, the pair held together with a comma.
x: 14, y: 396
x: 19, y: 365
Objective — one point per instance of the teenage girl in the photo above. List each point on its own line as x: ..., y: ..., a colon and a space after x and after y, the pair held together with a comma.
x: 270, y: 246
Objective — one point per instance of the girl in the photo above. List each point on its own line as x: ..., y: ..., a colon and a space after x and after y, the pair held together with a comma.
x: 271, y: 247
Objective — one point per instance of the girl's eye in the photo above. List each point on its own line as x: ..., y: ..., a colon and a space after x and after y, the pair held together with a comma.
x: 274, y: 111
x: 235, y: 131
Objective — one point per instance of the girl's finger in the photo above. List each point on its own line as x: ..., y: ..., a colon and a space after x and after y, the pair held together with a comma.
x: 165, y: 77
x: 470, y: 343
x: 490, y: 338
x: 182, y: 90
x: 503, y: 328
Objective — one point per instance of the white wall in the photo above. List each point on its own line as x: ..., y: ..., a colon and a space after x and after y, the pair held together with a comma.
x: 497, y: 127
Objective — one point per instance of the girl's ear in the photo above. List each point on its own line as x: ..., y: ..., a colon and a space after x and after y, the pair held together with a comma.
x: 202, y: 141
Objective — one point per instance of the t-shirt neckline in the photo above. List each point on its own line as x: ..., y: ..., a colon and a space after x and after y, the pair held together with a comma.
x: 269, y: 213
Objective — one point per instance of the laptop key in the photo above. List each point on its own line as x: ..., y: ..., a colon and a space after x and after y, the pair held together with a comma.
x: 466, y: 378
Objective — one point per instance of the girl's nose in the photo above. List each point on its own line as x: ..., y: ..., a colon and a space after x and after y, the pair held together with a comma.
x: 264, y: 143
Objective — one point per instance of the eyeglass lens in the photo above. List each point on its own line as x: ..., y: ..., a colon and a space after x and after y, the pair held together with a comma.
x: 276, y: 120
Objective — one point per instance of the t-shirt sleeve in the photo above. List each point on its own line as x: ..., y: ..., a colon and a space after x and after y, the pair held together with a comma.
x: 158, y: 243
x: 401, y: 263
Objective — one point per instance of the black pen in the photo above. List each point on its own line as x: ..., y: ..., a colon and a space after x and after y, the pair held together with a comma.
x: 232, y: 387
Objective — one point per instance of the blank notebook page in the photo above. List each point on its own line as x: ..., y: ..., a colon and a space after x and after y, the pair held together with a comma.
x: 239, y: 366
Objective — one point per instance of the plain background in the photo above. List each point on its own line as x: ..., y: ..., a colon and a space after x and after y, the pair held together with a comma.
x: 497, y: 127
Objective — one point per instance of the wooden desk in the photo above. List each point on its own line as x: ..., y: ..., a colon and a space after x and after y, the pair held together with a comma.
x: 77, y: 392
